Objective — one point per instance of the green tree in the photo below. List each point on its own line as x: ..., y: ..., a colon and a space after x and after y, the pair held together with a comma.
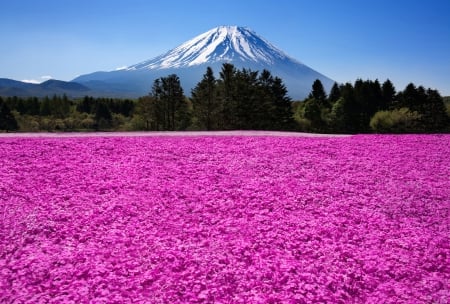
x: 434, y: 114
x: 45, y: 108
x: 205, y: 101
x: 60, y: 106
x: 335, y: 93
x: 226, y: 90
x: 103, y: 117
x: 388, y: 95
x: 339, y: 117
x: 147, y: 110
x: 7, y: 120
x: 281, y: 109
x: 86, y: 105
x: 312, y: 112
x: 248, y: 114
x: 318, y: 93
x: 172, y: 106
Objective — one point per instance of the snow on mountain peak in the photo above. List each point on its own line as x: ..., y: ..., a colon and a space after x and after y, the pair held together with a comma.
x: 220, y: 44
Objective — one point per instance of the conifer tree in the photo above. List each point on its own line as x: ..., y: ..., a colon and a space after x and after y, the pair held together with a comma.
x: 388, y: 95
x: 205, y: 101
x: 171, y: 103
x: 335, y: 93
x: 318, y: 93
x: 228, y: 104
x: 7, y: 120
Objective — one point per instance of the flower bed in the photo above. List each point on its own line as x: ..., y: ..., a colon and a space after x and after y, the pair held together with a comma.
x: 228, y: 219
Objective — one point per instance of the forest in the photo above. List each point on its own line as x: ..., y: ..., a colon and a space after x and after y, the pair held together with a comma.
x: 239, y: 99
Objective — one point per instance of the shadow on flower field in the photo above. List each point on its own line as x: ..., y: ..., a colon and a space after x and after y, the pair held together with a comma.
x: 238, y: 218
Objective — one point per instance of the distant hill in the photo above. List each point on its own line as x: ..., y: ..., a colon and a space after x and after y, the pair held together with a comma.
x: 9, y: 87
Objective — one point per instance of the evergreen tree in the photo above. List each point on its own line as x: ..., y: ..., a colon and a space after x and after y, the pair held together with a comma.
x: 339, y: 116
x: 318, y: 93
x: 312, y: 112
x: 205, y: 101
x: 86, y: 105
x: 228, y: 104
x: 409, y: 98
x: 147, y: 109
x: 7, y: 120
x: 103, y: 117
x: 171, y: 105
x: 45, y: 109
x: 335, y: 94
x: 350, y: 108
x: 434, y: 114
x: 388, y: 95
x: 282, y: 115
x: 32, y: 106
x: 247, y: 101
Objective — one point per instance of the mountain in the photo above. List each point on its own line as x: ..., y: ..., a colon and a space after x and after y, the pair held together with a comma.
x: 9, y: 87
x: 224, y: 44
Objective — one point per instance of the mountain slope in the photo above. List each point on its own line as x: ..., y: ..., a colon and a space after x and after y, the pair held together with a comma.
x: 232, y: 44
x: 221, y: 44
x: 9, y: 87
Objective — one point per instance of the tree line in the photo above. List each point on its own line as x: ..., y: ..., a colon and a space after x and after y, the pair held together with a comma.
x: 238, y: 99
x: 368, y: 106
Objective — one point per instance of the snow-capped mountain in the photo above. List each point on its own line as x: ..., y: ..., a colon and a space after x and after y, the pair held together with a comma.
x: 232, y: 44
x: 221, y: 44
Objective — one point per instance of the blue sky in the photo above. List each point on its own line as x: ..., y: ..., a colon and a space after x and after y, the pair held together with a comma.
x: 405, y: 41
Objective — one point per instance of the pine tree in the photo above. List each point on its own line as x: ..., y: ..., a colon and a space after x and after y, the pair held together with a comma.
x: 45, y: 108
x: 335, y: 94
x: 7, y: 120
x: 103, y: 116
x: 282, y: 117
x: 171, y: 104
x: 226, y: 89
x: 318, y: 93
x: 205, y: 101
x: 434, y: 114
x: 388, y: 95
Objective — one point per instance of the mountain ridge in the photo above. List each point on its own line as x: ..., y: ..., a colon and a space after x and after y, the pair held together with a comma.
x: 10, y: 87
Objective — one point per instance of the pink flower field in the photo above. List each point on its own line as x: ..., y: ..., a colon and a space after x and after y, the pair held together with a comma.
x: 225, y: 219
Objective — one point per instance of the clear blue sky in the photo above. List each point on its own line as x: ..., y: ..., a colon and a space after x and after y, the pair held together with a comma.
x: 405, y: 41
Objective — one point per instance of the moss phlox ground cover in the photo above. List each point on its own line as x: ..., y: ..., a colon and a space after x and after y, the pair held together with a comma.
x: 361, y: 219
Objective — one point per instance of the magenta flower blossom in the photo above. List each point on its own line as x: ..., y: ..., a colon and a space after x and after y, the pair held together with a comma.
x: 232, y: 219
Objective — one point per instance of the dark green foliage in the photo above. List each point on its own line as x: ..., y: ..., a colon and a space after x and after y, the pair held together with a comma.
x: 103, y: 117
x: 45, y: 108
x: 242, y: 99
x: 318, y: 93
x: 149, y: 112
x: 86, y: 105
x: 227, y: 93
x: 434, y: 112
x: 205, y: 102
x: 7, y: 120
x: 335, y: 94
x: 312, y: 112
x: 171, y: 109
x: 339, y: 116
x: 282, y: 113
x: 388, y: 94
